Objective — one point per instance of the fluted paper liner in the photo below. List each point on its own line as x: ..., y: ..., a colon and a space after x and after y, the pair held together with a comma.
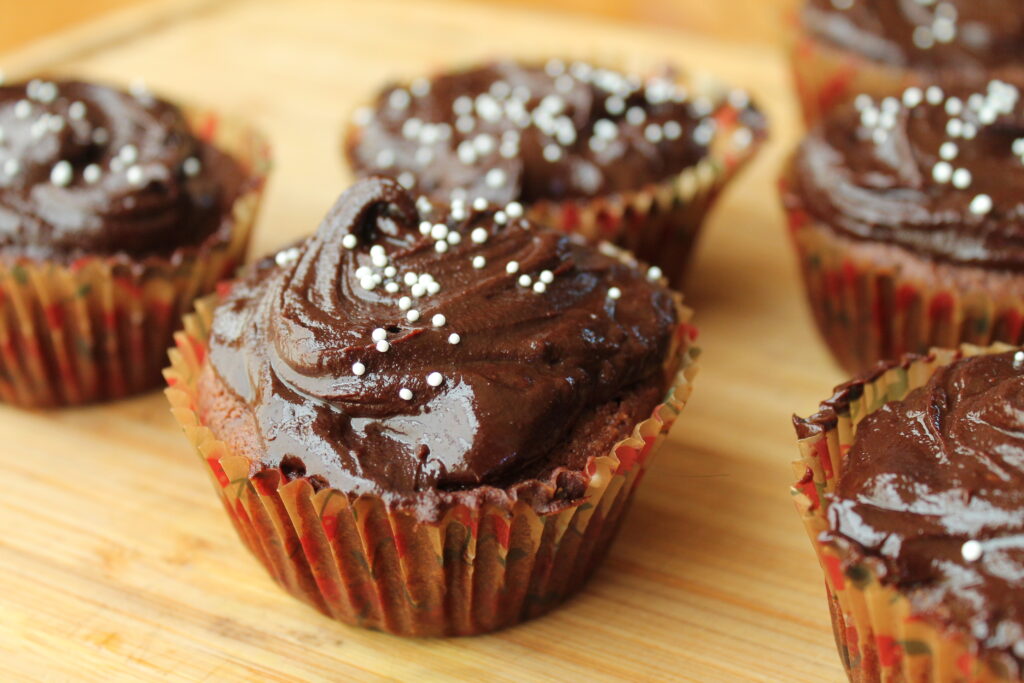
x: 868, y: 311
x: 878, y: 636
x: 660, y: 222
x: 478, y: 569
x: 826, y: 75
x: 98, y: 328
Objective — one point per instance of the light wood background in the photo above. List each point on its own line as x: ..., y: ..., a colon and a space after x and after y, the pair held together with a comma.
x: 761, y: 21
x: 116, y: 559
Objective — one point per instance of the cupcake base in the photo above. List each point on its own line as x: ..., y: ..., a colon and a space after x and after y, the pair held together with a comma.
x: 874, y: 301
x: 478, y: 568
x: 97, y: 328
x: 878, y: 636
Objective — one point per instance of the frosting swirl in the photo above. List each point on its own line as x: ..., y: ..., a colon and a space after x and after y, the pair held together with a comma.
x: 932, y: 493
x: 87, y: 169
x: 936, y: 173
x: 396, y: 354
x: 508, y: 131
x: 960, y: 34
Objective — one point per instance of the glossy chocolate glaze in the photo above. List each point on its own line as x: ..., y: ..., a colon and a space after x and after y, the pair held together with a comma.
x: 511, y: 131
x: 337, y: 367
x: 960, y: 34
x: 924, y: 476
x: 940, y: 177
x: 88, y: 169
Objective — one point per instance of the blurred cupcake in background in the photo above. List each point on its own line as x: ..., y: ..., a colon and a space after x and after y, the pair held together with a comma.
x: 881, y: 47
x: 911, y: 490
x: 586, y: 149
x: 908, y: 218
x: 117, y: 209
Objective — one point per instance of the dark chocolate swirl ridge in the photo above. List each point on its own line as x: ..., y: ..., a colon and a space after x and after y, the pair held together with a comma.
x: 399, y: 351
x: 936, y: 173
x: 88, y: 169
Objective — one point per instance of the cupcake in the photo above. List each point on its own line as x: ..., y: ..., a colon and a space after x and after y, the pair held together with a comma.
x: 610, y: 156
x: 116, y: 210
x: 912, y: 491
x: 881, y: 47
x: 907, y: 218
x: 427, y: 424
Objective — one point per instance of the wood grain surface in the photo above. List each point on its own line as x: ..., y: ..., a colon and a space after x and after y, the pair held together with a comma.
x: 116, y: 560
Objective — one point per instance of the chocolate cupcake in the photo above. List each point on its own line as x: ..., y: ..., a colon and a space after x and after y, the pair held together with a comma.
x: 430, y: 424
x: 907, y: 217
x: 912, y: 491
x: 585, y: 149
x: 881, y: 47
x: 116, y: 210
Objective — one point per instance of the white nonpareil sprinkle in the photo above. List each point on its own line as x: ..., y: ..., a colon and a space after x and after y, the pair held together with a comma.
x: 525, y: 280
x: 673, y: 130
x: 349, y: 241
x: 358, y: 369
x: 981, y: 205
x: 653, y: 273
x: 1018, y: 360
x: 454, y: 338
x: 383, y: 346
x: 440, y: 247
x: 91, y: 174
x: 514, y: 210
x: 129, y: 154
x: 134, y: 176
x: 547, y: 277
x: 439, y: 231
x: 454, y: 237
x: 438, y: 320
x: 971, y: 551
x: 635, y: 116
x: 412, y: 316
x: 378, y: 334
x: 934, y: 94
x: 495, y: 178
x: 479, y: 203
x: 405, y: 394
x: 552, y: 153
x: 399, y: 99
x: 191, y: 167
x: 942, y: 172
x: 948, y: 151
x: 912, y: 97
x: 418, y: 290
x: 391, y: 288
x: 435, y: 379
x: 479, y: 262
x: 61, y: 174
x: 405, y: 303
x: 512, y: 267
x: 614, y: 293
x: 539, y: 287
x: 22, y: 109
x: 479, y: 235
x: 961, y: 178
x: 410, y: 279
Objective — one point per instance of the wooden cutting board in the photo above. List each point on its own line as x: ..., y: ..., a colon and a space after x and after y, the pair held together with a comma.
x: 116, y: 558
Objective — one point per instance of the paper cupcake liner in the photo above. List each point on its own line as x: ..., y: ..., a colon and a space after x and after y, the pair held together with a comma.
x: 868, y: 310
x: 97, y: 328
x: 878, y: 636
x: 826, y: 75
x: 481, y: 567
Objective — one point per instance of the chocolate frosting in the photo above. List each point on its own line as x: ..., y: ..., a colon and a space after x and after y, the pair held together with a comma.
x: 395, y: 352
x: 937, y: 174
x: 929, y: 474
x: 508, y: 131
x: 962, y: 34
x: 87, y: 169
